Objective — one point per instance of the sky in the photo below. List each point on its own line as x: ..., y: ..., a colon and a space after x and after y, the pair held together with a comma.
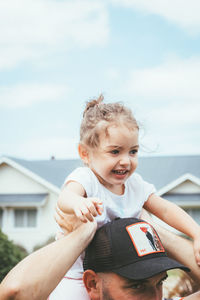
x: 57, y: 54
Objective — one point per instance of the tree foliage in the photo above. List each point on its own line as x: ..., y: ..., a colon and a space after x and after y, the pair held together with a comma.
x: 10, y: 255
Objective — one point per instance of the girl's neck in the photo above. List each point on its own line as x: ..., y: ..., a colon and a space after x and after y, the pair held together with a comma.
x: 118, y: 190
x: 115, y: 189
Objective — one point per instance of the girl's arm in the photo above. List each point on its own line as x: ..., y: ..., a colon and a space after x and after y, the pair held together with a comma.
x: 73, y: 200
x: 70, y: 194
x: 176, y: 217
x: 173, y: 215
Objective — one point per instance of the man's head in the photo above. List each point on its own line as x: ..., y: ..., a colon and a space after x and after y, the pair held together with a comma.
x: 126, y: 260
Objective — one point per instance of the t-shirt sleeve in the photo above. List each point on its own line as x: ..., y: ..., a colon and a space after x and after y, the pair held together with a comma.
x: 146, y: 187
x: 85, y: 177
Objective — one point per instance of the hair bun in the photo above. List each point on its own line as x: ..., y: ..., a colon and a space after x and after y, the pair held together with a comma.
x: 93, y: 103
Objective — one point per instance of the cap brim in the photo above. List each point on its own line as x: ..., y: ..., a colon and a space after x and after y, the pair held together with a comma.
x: 148, y: 268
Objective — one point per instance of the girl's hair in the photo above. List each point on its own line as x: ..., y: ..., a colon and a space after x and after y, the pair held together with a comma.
x: 98, y: 116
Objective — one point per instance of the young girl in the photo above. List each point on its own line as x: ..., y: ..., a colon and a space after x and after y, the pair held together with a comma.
x: 108, y: 187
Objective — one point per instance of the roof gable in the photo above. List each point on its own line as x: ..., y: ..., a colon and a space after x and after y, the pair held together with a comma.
x: 177, y: 182
x: 29, y: 173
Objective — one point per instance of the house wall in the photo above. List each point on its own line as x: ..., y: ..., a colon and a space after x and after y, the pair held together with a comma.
x: 13, y: 181
x: 186, y: 187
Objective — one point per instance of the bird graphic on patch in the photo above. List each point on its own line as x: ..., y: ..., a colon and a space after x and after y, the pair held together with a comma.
x: 150, y: 238
x: 150, y: 244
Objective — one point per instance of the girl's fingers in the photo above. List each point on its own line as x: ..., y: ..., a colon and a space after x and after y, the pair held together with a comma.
x: 96, y: 201
x: 86, y: 212
x: 99, y: 210
x: 88, y: 209
x: 78, y: 212
x: 56, y: 216
x: 91, y: 208
x: 59, y: 212
x: 98, y: 205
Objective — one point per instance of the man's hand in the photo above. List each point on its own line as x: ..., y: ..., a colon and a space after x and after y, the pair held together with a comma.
x: 68, y: 222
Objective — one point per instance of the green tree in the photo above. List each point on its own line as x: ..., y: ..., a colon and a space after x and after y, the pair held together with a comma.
x: 10, y: 255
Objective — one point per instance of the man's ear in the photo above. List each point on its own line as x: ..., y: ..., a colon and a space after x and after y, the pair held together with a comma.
x: 92, y: 283
x: 83, y: 153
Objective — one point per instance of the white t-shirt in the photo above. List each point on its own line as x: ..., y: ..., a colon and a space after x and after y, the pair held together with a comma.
x: 130, y: 204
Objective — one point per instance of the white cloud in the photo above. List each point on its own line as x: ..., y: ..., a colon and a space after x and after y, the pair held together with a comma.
x: 167, y: 102
x: 32, y: 28
x: 174, y: 80
x: 23, y: 95
x: 183, y: 13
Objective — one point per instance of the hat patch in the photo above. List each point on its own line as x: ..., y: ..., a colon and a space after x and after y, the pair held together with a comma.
x: 144, y: 238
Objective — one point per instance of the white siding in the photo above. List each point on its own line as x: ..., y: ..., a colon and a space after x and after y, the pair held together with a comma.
x: 14, y: 182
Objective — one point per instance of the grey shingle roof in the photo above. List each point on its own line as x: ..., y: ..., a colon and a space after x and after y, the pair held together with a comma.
x: 160, y: 170
x: 54, y: 171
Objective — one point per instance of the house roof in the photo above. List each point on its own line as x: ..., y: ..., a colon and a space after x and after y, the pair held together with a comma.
x: 164, y: 170
x: 53, y: 170
x: 160, y: 170
x: 18, y: 200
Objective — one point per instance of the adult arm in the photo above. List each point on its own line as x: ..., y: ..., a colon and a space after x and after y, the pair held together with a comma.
x: 177, y: 247
x: 181, y: 250
x: 37, y: 275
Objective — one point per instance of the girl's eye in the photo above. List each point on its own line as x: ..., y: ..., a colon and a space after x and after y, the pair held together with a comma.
x: 134, y: 151
x: 115, y: 151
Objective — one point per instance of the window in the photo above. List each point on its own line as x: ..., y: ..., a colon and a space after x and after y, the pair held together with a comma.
x: 1, y: 217
x: 25, y: 217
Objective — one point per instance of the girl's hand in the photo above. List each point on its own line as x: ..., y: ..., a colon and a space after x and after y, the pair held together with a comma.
x: 68, y: 222
x: 196, y: 245
x: 88, y: 208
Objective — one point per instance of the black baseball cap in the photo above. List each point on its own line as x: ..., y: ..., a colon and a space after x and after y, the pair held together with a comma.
x: 129, y: 247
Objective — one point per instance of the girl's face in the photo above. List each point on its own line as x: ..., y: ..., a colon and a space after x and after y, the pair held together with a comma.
x: 116, y: 157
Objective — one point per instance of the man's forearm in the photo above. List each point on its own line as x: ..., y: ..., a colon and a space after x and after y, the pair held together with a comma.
x: 38, y: 274
x: 179, y: 249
